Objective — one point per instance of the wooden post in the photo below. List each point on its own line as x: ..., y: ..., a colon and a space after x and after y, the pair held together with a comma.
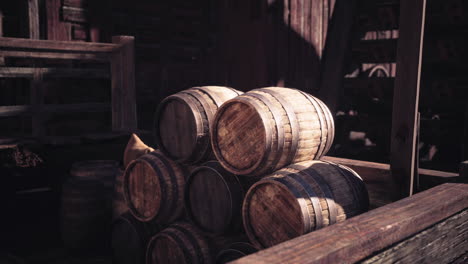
x: 406, y: 95
x: 124, y: 115
x: 336, y: 49
x: 2, y: 59
x: 37, y: 102
x: 33, y: 17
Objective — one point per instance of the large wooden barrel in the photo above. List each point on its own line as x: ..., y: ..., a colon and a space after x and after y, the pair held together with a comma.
x: 154, y: 188
x: 179, y: 243
x: 183, y: 121
x: 119, y: 206
x: 235, y: 251
x: 213, y: 198
x: 268, y: 128
x: 130, y: 238
x: 299, y: 199
x: 86, y: 204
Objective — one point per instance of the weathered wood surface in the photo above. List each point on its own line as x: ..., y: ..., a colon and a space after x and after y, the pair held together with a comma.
x: 124, y: 116
x: 154, y: 188
x: 406, y: 95
x: 299, y: 199
x: 379, y: 181
x: 213, y: 199
x: 444, y: 242
x: 179, y: 243
x: 183, y: 121
x: 27, y: 72
x: 268, y: 128
x: 58, y: 46
x: 16, y: 110
x: 367, y: 234
x: 33, y: 19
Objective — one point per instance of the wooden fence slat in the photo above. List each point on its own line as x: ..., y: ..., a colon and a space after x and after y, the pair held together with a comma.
x: 54, y: 55
x: 364, y: 235
x: 54, y: 45
x: 27, y: 72
x: 406, y: 95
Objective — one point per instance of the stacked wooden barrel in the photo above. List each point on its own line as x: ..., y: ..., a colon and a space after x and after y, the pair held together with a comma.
x: 254, y: 174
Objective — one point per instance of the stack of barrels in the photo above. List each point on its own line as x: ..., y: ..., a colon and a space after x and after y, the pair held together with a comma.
x: 233, y: 173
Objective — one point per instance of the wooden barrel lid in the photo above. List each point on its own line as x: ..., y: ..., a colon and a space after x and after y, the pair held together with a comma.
x: 272, y: 214
x: 239, y: 136
x: 142, y: 190
x: 177, y: 126
x: 179, y: 243
x: 213, y: 198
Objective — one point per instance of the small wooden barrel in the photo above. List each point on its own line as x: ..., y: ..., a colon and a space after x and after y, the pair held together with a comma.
x: 154, y: 188
x: 179, y: 243
x: 266, y: 129
x: 119, y: 206
x: 86, y: 206
x: 299, y: 199
x: 183, y: 120
x: 213, y: 199
x: 129, y: 239
x: 235, y: 251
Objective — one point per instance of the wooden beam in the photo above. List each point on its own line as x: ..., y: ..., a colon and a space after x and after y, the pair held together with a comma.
x: 441, y: 243
x: 16, y: 110
x: 335, y: 52
x: 362, y: 236
x: 2, y: 59
x: 124, y: 116
x: 58, y: 46
x: 406, y: 95
x: 54, y: 55
x: 33, y: 19
x: 26, y: 72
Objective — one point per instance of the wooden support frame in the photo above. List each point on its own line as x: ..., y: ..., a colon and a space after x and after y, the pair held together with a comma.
x: 366, y: 235
x: 120, y: 56
x: 406, y: 96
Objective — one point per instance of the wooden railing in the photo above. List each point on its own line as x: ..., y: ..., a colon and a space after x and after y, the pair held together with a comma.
x: 429, y: 227
x: 119, y: 55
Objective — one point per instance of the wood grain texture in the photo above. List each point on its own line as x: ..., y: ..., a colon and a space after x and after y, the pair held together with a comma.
x: 183, y: 121
x: 123, y: 85
x: 441, y: 243
x: 154, y: 188
x: 301, y: 198
x: 179, y: 243
x: 406, y: 95
x: 235, y: 251
x: 366, y: 234
x: 213, y: 199
x: 58, y: 46
x: 129, y: 239
x: 379, y: 181
x: 269, y: 128
x: 27, y: 72
x: 33, y: 19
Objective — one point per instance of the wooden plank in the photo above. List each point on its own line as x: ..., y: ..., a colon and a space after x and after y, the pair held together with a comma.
x: 2, y: 59
x: 335, y: 52
x: 364, y: 235
x: 406, y: 95
x: 124, y: 116
x: 58, y: 46
x: 55, y: 55
x: 33, y: 19
x: 379, y: 182
x: 15, y: 110
x: 441, y: 243
x: 74, y: 14
x: 56, y: 28
x: 26, y: 72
